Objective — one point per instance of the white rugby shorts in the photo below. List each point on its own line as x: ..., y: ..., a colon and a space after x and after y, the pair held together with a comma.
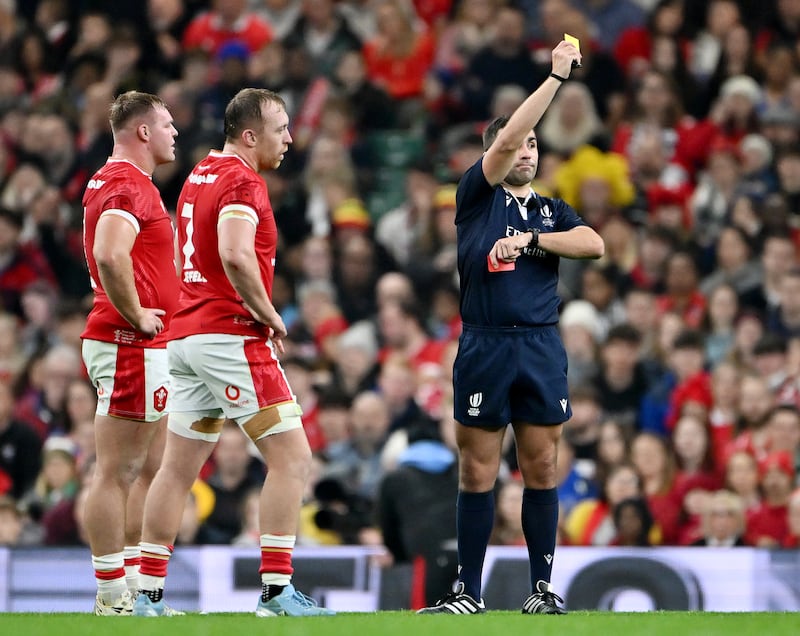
x: 240, y: 375
x: 131, y: 382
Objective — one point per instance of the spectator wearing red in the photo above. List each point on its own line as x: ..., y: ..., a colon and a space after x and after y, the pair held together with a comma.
x: 668, y: 208
x: 792, y: 539
x: 402, y: 328
x: 634, y: 48
x: 399, y: 56
x: 783, y: 430
x: 20, y: 460
x: 755, y: 404
x: 433, y: 13
x: 732, y: 117
x: 651, y: 455
x: 299, y: 373
x: 697, y: 477
x: 682, y: 295
x: 227, y: 20
x: 768, y: 526
x: 783, y: 25
x: 35, y: 65
x: 691, y: 396
x: 20, y: 264
x: 724, y: 410
x: 741, y: 478
x: 656, y: 106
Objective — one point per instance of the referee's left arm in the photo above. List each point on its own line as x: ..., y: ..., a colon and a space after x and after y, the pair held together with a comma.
x: 578, y: 242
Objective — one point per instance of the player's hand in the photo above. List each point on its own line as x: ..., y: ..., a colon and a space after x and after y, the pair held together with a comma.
x: 149, y: 321
x: 508, y: 249
x: 277, y: 331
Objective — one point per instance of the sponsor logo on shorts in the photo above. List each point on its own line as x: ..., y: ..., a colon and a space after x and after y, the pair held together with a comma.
x: 100, y: 390
x: 563, y: 403
x: 232, y: 392
x: 475, y: 401
x: 160, y: 398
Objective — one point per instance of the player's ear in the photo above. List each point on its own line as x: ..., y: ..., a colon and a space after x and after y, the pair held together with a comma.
x: 143, y: 131
x: 249, y: 137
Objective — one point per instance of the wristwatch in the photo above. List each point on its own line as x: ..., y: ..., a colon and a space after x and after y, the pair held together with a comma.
x: 534, y: 239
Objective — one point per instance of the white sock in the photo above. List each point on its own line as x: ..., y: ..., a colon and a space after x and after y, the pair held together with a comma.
x: 132, y: 553
x: 110, y: 590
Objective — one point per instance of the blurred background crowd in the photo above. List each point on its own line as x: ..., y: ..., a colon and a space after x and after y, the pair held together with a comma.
x: 677, y: 140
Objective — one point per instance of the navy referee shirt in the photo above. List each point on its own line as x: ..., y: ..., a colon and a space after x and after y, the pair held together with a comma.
x: 527, y: 295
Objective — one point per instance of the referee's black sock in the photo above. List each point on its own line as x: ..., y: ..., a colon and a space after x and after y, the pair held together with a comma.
x: 474, y: 521
x: 540, y: 524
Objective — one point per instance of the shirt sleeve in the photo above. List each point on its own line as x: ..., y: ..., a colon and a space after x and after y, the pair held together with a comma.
x: 566, y: 217
x: 238, y: 201
x: 124, y: 201
x: 474, y: 194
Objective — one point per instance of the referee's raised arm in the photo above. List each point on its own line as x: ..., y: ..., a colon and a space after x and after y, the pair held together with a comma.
x: 500, y: 155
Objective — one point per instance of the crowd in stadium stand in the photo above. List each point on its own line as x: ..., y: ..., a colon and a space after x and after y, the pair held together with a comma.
x: 678, y: 140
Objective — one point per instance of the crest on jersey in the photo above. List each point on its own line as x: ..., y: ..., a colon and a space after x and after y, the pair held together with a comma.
x: 547, y: 216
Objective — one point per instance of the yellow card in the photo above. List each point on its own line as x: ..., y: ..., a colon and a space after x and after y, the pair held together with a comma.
x: 573, y: 40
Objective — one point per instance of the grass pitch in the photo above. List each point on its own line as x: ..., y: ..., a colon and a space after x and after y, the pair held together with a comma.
x: 409, y: 624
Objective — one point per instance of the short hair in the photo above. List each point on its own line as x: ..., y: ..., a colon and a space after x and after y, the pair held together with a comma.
x: 244, y: 110
x: 624, y: 333
x: 784, y: 407
x: 770, y: 343
x: 494, y: 127
x: 130, y: 105
x: 689, y: 339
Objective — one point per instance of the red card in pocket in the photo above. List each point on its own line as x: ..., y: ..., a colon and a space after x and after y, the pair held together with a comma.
x: 502, y: 266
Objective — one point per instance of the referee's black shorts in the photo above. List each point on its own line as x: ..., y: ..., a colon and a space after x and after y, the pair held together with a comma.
x: 510, y: 374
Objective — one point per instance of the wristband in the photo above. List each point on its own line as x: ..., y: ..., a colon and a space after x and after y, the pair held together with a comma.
x: 534, y: 242
x: 558, y: 77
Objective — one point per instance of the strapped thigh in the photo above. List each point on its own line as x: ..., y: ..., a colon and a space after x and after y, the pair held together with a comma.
x: 203, y: 425
x: 271, y: 420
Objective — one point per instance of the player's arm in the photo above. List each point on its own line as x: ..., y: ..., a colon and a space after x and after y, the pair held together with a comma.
x: 236, y: 234
x: 114, y: 237
x: 499, y: 158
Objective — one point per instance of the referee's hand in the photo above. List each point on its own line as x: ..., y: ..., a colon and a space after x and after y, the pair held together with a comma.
x: 508, y: 249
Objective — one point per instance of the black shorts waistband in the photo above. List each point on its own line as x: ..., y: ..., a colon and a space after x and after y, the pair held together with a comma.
x: 519, y: 329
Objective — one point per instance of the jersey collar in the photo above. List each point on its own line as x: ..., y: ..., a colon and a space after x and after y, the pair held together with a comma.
x: 524, y: 207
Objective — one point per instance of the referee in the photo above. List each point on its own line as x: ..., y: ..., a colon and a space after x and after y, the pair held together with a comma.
x: 511, y: 365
